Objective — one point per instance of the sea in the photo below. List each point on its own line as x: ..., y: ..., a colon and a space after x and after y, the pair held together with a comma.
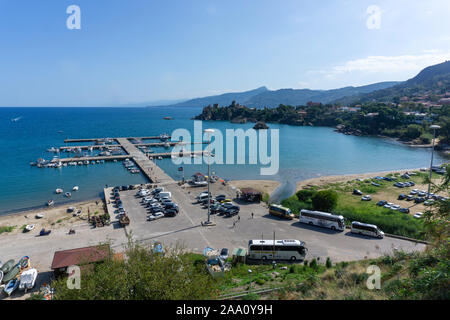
x: 304, y: 152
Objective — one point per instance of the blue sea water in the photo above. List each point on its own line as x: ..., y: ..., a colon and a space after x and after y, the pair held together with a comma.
x: 305, y: 152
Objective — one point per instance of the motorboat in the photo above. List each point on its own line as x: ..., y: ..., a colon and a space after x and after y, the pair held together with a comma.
x: 45, y: 232
x: 39, y: 216
x: 28, y: 279
x: 86, y: 162
x: 75, y: 188
x: 59, y: 190
x: 29, y: 227
x: 11, y: 286
x: 164, y: 137
x: 50, y: 203
x: 68, y: 194
x: 52, y: 149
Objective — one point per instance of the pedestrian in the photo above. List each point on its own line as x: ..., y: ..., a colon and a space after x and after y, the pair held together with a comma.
x: 252, y: 215
x: 234, y: 223
x: 239, y: 217
x: 96, y: 202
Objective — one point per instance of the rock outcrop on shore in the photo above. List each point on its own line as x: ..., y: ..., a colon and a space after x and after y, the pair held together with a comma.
x: 260, y: 125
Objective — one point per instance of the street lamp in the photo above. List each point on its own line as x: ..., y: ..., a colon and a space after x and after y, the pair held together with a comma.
x: 434, y: 127
x: 209, y: 131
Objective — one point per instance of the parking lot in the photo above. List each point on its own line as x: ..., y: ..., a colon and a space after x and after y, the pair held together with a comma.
x: 230, y: 232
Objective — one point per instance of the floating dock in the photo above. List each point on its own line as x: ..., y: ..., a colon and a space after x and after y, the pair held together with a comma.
x: 142, y: 160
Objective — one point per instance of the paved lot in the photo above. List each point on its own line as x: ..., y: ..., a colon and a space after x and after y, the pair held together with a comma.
x: 186, y: 228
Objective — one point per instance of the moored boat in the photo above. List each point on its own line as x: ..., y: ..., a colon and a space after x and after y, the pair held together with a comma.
x: 24, y: 262
x: 68, y: 194
x: 7, y: 266
x: 28, y: 279
x: 50, y: 203
x: 11, y: 286
x: 75, y: 188
x: 39, y: 216
x: 59, y: 190
x: 11, y: 274
x: 29, y: 227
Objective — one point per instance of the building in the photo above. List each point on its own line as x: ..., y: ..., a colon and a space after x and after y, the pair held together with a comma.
x: 445, y: 101
x: 251, y: 195
x: 81, y: 257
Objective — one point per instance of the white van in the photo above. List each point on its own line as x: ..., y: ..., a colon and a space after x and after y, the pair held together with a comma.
x: 164, y: 195
x: 367, y: 229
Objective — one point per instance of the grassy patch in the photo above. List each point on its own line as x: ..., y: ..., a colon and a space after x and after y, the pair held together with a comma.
x: 7, y: 229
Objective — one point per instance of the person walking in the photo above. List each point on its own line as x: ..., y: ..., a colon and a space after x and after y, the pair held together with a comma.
x: 239, y: 217
x: 252, y: 215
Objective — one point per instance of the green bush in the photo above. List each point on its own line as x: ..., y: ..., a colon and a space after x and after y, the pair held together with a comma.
x: 328, y: 263
x: 313, y: 264
x: 305, y: 195
x: 325, y: 200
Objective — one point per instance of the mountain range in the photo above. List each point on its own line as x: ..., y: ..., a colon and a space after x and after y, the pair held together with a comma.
x: 434, y: 78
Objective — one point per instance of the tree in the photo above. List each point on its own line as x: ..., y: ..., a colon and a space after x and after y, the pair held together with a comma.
x: 325, y: 200
x: 143, y: 275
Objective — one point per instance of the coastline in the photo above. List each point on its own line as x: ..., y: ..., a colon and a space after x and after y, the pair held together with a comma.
x: 323, y: 180
x: 54, y: 218
x: 265, y: 186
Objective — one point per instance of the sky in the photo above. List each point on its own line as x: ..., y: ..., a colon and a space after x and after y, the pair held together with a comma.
x: 139, y: 51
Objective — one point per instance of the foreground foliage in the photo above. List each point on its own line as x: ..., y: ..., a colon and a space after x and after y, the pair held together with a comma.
x: 143, y: 275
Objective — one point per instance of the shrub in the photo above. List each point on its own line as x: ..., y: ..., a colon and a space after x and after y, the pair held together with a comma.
x: 305, y: 195
x: 260, y: 281
x: 328, y: 263
x: 325, y: 200
x: 313, y: 264
x: 292, y: 269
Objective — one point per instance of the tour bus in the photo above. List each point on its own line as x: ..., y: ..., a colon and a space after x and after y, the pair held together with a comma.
x: 322, y: 219
x: 367, y: 229
x: 279, y: 211
x: 280, y: 250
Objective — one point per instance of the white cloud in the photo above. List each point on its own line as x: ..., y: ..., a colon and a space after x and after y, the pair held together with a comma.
x: 390, y: 64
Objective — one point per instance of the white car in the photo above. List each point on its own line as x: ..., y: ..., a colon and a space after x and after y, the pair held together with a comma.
x: 143, y: 193
x: 418, y: 215
x: 155, y: 216
x: 388, y: 205
x: 366, y: 198
x: 395, y: 207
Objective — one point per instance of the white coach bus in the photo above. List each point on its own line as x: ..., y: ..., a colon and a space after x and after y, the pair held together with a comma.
x: 280, y: 250
x: 322, y: 219
x: 367, y: 229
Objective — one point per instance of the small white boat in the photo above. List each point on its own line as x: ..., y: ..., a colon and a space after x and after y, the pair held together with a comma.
x: 28, y: 279
x: 50, y: 203
x: 59, y: 190
x: 39, y: 216
x: 75, y: 188
x: 160, y: 158
x: 11, y: 286
x: 68, y: 194
x: 29, y: 227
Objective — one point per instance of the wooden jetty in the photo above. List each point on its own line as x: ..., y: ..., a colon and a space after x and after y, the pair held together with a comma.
x: 142, y: 160
x: 103, y: 139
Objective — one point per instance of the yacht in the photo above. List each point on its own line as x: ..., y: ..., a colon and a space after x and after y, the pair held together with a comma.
x: 52, y: 149
x: 59, y: 190
x: 75, y: 188
x: 164, y: 137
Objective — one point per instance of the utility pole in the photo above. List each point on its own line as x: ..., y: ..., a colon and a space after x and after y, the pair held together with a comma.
x: 208, y: 222
x: 434, y: 127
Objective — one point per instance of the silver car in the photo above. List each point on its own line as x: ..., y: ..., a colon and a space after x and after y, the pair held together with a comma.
x: 155, y: 216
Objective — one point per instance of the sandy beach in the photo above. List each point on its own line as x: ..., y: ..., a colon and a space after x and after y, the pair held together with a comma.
x: 320, y: 181
x: 54, y: 217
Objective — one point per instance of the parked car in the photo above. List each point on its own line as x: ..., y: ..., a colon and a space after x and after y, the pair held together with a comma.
x: 221, y: 197
x: 357, y: 192
x: 366, y: 198
x: 418, y: 215
x: 395, y: 207
x: 419, y: 200
x: 414, y: 192
x: 155, y: 216
x: 376, y: 184
x: 172, y: 205
x: 403, y: 210
x: 157, y: 190
x: 234, y: 210
x: 409, y: 198
x: 399, y: 185
x: 387, y: 178
x: 224, y: 254
x: 170, y: 212
x: 401, y: 196
x: 428, y: 202
x: 381, y: 203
